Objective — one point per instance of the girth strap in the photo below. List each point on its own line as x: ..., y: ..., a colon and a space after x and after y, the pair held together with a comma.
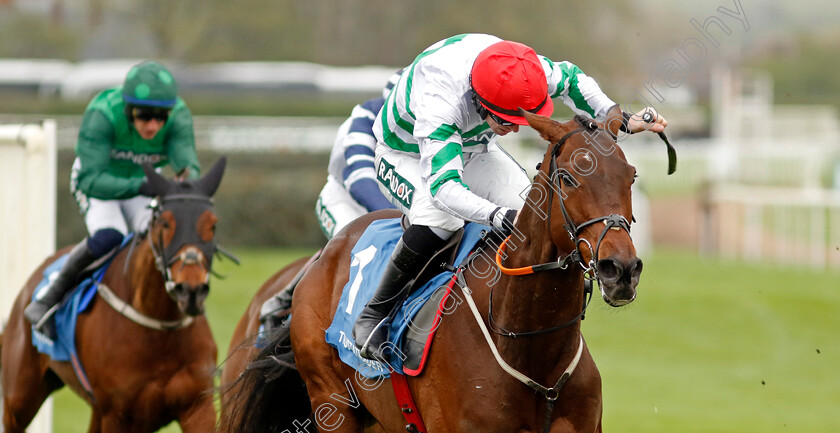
x: 406, y: 402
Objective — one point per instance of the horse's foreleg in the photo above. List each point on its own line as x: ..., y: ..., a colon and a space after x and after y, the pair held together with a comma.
x: 200, y: 417
x: 23, y: 395
x: 333, y: 416
x: 95, y: 422
x: 16, y: 417
x: 335, y: 402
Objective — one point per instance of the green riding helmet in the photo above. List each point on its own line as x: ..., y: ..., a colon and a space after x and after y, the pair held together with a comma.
x: 150, y: 84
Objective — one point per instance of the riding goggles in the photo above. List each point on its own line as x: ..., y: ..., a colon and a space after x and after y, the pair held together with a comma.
x: 147, y: 114
x: 499, y: 120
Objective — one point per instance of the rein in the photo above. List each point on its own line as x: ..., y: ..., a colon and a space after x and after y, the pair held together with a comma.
x: 590, y: 273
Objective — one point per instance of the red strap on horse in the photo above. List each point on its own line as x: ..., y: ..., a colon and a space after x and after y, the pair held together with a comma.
x: 406, y: 402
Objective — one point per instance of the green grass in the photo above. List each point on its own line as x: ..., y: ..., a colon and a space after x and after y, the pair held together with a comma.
x: 708, y: 346
x: 714, y: 346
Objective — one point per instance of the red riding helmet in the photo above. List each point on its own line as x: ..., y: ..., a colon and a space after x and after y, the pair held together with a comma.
x: 508, y: 75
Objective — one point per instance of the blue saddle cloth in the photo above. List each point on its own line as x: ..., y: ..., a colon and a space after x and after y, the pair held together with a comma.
x: 59, y: 343
x: 369, y: 258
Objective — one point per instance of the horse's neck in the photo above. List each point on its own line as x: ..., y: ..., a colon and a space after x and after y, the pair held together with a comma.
x: 538, y: 301
x: 146, y: 286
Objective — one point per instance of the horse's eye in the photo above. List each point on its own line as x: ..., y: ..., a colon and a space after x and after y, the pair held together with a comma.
x: 568, y: 179
x: 165, y: 224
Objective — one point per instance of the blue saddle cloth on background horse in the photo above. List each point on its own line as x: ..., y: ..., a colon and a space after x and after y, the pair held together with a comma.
x: 369, y: 258
x: 57, y: 339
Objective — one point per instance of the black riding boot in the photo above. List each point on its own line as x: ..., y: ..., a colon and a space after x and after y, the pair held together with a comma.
x: 78, y: 259
x: 270, y: 312
x: 371, y: 328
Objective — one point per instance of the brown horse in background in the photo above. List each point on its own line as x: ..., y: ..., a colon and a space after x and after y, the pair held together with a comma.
x: 573, y: 229
x: 155, y: 368
x: 242, y: 347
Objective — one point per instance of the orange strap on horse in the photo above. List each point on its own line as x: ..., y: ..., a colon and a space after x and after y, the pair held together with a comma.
x: 510, y: 271
x: 527, y: 270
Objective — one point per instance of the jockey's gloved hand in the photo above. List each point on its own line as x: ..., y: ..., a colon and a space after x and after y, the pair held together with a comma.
x: 502, y: 219
x: 146, y: 189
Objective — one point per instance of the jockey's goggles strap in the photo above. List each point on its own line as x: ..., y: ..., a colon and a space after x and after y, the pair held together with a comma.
x: 509, y: 112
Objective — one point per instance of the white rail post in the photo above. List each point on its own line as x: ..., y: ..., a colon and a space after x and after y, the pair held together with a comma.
x: 27, y: 218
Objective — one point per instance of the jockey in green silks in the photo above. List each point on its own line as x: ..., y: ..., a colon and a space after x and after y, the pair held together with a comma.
x: 141, y: 121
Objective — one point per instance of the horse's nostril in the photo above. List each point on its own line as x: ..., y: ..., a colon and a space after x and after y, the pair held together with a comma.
x: 635, y: 270
x: 636, y: 266
x: 608, y: 269
x: 178, y: 289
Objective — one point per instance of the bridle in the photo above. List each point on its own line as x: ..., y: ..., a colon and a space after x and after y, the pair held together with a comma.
x: 199, y: 253
x: 165, y: 257
x: 590, y: 273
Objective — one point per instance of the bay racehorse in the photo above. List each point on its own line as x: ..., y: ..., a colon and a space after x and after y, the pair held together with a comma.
x: 148, y: 351
x: 511, y: 356
x: 242, y: 344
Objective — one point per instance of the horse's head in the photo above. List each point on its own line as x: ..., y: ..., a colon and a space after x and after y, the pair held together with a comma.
x: 588, y: 181
x: 182, y: 233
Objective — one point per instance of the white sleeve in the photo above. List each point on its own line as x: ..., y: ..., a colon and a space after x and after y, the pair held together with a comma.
x: 441, y: 168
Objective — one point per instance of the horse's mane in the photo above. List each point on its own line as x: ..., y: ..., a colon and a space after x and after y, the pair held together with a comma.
x: 587, y: 123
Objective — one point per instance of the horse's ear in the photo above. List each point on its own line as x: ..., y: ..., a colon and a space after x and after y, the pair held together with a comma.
x: 158, y: 183
x: 210, y: 181
x: 550, y: 130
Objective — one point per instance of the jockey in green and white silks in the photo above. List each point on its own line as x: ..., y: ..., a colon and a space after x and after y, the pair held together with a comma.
x: 432, y: 131
x: 437, y: 157
x: 141, y: 121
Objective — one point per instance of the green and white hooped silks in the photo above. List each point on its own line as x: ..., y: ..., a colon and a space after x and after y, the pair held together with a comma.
x: 492, y: 175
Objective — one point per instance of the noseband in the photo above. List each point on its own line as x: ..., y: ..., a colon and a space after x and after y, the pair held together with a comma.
x: 202, y: 254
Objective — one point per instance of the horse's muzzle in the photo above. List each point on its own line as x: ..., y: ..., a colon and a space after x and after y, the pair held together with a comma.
x: 190, y: 299
x: 618, y: 280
